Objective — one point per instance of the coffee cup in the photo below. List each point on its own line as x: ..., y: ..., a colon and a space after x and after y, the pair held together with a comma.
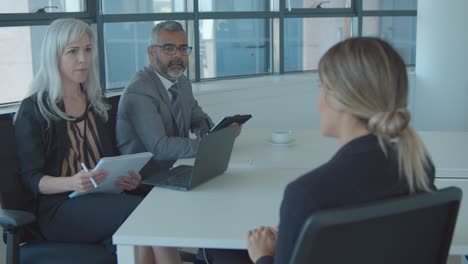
x: 281, y: 137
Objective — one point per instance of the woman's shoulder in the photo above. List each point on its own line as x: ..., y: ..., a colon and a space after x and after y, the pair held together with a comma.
x: 314, y: 178
x: 342, y: 168
x: 28, y: 105
x: 29, y: 110
x: 29, y: 101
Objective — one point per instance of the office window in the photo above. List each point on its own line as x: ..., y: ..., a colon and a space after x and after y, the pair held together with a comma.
x: 145, y: 6
x: 390, y: 4
x: 233, y: 5
x: 20, y: 53
x: 399, y: 31
x: 318, y: 4
x: 42, y: 6
x: 234, y: 38
x: 230, y: 47
x: 126, y: 50
x: 307, y: 39
x: 20, y: 49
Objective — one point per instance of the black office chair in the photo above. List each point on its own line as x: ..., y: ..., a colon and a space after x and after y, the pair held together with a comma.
x: 408, y: 230
x: 18, y: 220
x: 114, y: 104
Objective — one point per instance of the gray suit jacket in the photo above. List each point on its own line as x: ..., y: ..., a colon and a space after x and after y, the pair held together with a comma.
x: 145, y: 121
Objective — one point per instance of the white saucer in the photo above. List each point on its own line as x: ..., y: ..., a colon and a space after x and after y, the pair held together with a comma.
x: 286, y: 144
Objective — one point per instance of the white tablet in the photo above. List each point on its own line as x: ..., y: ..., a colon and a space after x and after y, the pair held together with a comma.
x: 116, y: 167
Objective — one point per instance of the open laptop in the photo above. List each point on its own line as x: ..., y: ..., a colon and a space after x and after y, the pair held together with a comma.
x: 212, y: 160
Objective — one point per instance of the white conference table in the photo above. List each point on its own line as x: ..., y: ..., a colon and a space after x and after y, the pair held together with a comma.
x: 252, y: 150
x: 214, y: 215
x: 218, y: 213
x: 308, y: 150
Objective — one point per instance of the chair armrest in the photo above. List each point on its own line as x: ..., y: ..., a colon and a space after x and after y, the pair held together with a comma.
x: 10, y: 219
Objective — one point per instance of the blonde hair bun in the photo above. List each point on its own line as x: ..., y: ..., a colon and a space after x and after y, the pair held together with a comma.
x: 389, y: 124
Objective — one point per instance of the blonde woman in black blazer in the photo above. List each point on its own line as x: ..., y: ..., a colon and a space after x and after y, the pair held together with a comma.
x: 363, y: 104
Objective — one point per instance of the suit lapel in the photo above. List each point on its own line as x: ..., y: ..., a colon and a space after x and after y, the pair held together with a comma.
x: 161, y: 90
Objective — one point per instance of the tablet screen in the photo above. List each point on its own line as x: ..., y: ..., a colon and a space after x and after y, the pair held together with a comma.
x: 228, y: 120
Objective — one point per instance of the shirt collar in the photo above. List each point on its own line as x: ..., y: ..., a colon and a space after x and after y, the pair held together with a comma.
x: 167, y: 84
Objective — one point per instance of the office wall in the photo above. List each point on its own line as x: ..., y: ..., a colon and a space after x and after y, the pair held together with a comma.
x: 441, y: 93
x: 276, y: 102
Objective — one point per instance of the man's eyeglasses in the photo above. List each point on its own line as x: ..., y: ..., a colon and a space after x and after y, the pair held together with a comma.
x: 170, y: 49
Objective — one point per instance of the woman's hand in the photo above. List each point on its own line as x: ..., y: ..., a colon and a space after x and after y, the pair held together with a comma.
x: 129, y: 182
x: 81, y: 181
x: 261, y: 242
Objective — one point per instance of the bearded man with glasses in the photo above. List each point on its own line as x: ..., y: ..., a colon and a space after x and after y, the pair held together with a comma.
x: 157, y: 108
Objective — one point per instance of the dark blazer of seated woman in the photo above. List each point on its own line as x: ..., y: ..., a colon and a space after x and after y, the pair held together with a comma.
x: 49, y: 143
x: 358, y: 173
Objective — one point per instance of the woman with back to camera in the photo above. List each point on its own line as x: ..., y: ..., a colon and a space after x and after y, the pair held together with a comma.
x: 363, y: 103
x: 63, y: 123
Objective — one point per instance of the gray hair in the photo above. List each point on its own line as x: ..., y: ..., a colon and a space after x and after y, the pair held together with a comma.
x: 47, y: 83
x: 169, y: 25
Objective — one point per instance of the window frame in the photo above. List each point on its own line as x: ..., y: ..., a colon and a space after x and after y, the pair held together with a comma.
x: 94, y: 15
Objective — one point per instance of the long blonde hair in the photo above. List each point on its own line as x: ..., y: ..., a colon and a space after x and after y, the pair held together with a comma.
x: 368, y: 79
x: 47, y: 83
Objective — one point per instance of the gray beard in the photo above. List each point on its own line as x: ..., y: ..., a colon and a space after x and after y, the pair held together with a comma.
x: 175, y: 74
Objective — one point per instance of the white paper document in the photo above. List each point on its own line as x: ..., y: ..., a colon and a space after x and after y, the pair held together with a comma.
x: 116, y: 167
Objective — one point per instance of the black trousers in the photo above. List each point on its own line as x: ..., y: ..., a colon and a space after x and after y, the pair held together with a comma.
x: 91, y: 218
x: 227, y: 256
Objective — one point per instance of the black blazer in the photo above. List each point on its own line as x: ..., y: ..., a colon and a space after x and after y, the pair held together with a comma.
x: 41, y: 147
x: 358, y: 173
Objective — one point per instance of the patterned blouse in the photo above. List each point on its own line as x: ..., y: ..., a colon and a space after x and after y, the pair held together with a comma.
x: 84, y: 147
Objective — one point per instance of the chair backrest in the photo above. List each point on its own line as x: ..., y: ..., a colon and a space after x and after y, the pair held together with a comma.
x: 13, y: 195
x: 410, y: 229
x: 114, y: 103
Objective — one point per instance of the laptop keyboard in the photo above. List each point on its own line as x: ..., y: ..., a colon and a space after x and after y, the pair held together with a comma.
x: 179, y: 176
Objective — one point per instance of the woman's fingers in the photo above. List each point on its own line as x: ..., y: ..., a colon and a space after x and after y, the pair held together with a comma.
x: 129, y: 182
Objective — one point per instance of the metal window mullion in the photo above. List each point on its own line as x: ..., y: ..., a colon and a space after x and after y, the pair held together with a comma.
x: 359, y: 16
x: 12, y: 20
x: 91, y: 8
x: 294, y: 15
x: 394, y: 13
x: 101, y: 46
x: 116, y: 18
x: 267, y: 35
x: 42, y: 16
x: 267, y: 50
x: 237, y: 15
x: 282, y: 9
x: 331, y: 11
x: 196, y: 39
